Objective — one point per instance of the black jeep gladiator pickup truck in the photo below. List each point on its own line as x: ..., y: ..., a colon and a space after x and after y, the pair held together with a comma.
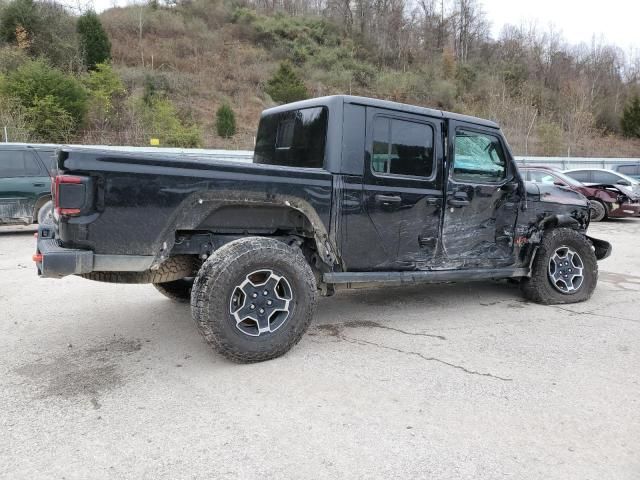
x: 342, y: 190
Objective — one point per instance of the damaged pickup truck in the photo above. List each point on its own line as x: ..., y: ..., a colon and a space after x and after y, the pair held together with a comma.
x: 342, y: 190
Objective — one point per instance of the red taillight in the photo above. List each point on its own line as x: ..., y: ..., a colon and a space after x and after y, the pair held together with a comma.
x: 37, y: 257
x: 58, y: 180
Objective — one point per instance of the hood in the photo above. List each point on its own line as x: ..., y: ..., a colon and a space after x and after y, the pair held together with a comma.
x: 627, y: 191
x: 549, y: 193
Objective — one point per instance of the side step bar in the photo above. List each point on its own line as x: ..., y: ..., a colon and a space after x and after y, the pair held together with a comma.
x: 431, y: 276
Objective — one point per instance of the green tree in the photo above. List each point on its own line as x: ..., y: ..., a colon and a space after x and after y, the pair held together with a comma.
x: 16, y: 14
x: 94, y: 42
x: 105, y: 87
x: 631, y: 118
x: 285, y: 86
x: 225, y: 121
x: 41, y: 88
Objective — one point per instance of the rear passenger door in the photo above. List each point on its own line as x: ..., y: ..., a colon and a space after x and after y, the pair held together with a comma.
x: 402, y: 190
x: 22, y: 181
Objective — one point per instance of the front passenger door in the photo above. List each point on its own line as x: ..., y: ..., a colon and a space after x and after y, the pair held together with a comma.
x: 482, y: 199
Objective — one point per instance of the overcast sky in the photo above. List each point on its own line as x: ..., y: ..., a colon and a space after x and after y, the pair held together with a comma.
x: 617, y: 21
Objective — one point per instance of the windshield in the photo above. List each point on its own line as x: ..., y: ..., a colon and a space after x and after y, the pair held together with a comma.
x: 567, y: 179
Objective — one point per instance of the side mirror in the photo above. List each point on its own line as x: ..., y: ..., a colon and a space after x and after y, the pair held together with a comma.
x: 509, y: 186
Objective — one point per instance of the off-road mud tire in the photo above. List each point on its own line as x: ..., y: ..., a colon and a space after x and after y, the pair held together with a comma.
x: 539, y: 288
x: 220, y: 275
x: 174, y: 268
x: 177, y: 290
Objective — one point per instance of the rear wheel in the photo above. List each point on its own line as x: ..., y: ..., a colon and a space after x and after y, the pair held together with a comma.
x: 45, y: 213
x: 598, y: 211
x: 253, y: 299
x: 565, y: 269
x: 178, y: 290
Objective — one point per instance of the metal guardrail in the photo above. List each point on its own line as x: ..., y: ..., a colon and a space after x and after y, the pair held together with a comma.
x: 246, y: 156
x: 566, y: 163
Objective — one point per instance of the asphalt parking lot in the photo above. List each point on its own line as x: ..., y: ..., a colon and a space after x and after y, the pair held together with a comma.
x: 464, y: 381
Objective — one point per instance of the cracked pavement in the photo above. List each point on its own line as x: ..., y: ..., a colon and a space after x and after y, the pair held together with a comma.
x: 452, y: 381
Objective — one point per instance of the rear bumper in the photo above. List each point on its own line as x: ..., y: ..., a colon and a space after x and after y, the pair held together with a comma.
x: 55, y: 261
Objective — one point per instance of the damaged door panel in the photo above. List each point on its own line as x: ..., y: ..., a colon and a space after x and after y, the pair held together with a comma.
x: 482, y: 199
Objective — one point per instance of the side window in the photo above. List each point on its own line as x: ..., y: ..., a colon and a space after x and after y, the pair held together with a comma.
x: 402, y: 147
x: 581, y: 175
x: 478, y: 157
x: 628, y: 169
x: 48, y: 157
x: 31, y: 165
x: 13, y: 164
x: 605, y: 177
x: 542, y: 177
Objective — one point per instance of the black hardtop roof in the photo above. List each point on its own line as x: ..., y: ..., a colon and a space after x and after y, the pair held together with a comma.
x: 374, y: 102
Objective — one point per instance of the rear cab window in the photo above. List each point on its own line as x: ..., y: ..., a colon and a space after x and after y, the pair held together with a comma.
x: 296, y: 138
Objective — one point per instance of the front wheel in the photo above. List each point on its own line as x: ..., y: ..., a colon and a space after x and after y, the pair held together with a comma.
x: 254, y: 298
x: 565, y: 269
x: 597, y: 211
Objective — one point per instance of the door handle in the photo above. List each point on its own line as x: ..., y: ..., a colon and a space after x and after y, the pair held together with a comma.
x: 38, y: 184
x: 458, y: 202
x: 388, y: 199
x: 433, y: 201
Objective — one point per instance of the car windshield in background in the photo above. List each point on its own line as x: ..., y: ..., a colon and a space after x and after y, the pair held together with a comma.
x: 566, y: 179
x: 295, y: 138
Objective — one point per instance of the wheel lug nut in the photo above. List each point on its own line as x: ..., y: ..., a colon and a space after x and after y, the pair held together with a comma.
x: 265, y: 293
x: 261, y: 310
x: 269, y: 302
x: 252, y: 306
x: 254, y: 295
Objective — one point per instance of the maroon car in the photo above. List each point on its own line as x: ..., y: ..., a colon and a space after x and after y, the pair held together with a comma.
x: 606, y: 200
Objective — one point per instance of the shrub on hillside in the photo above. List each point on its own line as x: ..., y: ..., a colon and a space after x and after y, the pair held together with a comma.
x: 49, y: 121
x: 94, y: 42
x: 106, y: 92
x: 631, y: 118
x: 41, y: 88
x: 285, y: 86
x: 225, y: 121
x: 161, y: 116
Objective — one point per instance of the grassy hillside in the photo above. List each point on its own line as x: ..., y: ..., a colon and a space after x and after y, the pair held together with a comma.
x: 174, y: 66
